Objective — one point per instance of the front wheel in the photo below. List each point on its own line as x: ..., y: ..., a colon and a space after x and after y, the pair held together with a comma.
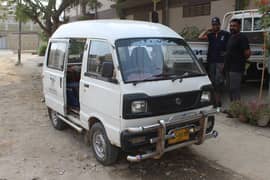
x: 104, y: 151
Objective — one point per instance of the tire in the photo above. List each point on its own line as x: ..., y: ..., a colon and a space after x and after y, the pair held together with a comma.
x: 104, y: 151
x: 56, y: 122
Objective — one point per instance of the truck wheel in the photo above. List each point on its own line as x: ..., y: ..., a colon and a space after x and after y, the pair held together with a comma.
x: 56, y: 122
x: 104, y: 151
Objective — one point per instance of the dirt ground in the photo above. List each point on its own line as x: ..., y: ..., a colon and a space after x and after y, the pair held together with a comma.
x: 31, y: 149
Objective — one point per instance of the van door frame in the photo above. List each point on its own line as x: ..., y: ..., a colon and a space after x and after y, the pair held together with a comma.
x: 60, y: 98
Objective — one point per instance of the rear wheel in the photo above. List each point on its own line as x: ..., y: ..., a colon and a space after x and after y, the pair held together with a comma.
x: 56, y: 122
x: 104, y: 151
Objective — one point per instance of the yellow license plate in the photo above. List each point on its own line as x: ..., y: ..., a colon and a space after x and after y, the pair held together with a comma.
x: 180, y: 135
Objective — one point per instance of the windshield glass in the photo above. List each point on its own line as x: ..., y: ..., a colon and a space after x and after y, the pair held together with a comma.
x: 156, y: 59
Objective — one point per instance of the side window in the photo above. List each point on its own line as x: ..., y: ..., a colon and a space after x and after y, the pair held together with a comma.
x: 257, y: 24
x: 57, y: 55
x: 99, y: 54
x: 247, y: 24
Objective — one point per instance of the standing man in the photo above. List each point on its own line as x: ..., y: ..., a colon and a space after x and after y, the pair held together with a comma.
x: 238, y: 52
x: 218, y: 40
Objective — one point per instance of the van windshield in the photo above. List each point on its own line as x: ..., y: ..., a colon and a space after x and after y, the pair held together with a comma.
x: 156, y: 59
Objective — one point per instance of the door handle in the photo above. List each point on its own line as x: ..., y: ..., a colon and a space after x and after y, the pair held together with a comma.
x: 61, y: 82
x: 86, y: 85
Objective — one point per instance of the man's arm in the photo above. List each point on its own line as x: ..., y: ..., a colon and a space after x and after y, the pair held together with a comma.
x: 245, y: 46
x: 247, y: 53
x: 204, y: 34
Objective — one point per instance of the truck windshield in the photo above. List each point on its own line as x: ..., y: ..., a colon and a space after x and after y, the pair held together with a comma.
x: 156, y: 59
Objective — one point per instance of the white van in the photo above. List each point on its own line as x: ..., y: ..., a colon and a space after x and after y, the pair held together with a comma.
x: 134, y: 86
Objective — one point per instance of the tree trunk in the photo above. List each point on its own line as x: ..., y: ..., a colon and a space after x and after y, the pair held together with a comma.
x: 83, y: 5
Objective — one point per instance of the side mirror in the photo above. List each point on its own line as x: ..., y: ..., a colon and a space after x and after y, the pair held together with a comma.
x: 107, y: 70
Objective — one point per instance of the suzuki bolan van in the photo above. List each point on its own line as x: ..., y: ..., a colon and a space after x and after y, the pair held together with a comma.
x: 132, y: 86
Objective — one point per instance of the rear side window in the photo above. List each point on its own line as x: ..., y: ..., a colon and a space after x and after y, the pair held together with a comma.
x: 99, y: 53
x: 247, y: 24
x: 56, y: 56
x: 257, y: 24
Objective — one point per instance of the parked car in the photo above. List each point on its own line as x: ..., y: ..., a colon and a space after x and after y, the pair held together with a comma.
x: 132, y: 86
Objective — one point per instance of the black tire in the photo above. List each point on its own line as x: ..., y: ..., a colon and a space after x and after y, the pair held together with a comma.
x: 56, y: 122
x: 108, y: 154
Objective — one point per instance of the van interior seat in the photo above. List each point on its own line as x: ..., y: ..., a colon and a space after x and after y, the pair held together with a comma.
x: 140, y: 59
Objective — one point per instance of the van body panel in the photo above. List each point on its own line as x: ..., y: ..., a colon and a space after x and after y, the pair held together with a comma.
x: 112, y: 30
x: 102, y: 101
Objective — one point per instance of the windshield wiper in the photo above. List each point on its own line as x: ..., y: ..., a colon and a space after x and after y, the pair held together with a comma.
x: 172, y: 76
x: 154, y: 76
x: 180, y: 77
x: 186, y: 74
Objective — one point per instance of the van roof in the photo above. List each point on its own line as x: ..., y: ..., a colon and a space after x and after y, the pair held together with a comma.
x: 247, y: 15
x: 112, y: 30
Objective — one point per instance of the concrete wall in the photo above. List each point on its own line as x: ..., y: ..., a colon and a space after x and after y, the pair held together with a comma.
x: 218, y: 8
x: 178, y: 22
x: 30, y: 42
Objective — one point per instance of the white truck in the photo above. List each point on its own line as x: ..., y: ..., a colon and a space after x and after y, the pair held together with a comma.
x: 251, y: 26
x: 132, y: 86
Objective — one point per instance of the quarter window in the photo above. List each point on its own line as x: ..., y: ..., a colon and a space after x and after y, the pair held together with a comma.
x: 257, y: 24
x: 247, y: 24
x: 57, y: 55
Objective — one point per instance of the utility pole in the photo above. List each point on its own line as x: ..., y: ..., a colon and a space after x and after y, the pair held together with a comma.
x: 20, y: 38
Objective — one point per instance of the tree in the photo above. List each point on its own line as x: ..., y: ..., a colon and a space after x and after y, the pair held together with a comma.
x: 119, y: 10
x: 94, y: 5
x: 264, y: 8
x: 46, y: 13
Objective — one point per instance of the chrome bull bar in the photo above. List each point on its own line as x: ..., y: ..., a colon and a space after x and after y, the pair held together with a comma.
x: 162, y: 136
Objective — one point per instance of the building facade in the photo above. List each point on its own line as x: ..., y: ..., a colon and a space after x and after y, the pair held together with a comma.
x: 105, y: 11
x: 9, y: 28
x: 179, y: 14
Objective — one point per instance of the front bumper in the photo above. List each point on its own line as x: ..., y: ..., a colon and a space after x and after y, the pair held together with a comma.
x: 158, y: 135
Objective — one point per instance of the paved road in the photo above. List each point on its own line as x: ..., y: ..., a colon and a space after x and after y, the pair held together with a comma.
x: 31, y: 149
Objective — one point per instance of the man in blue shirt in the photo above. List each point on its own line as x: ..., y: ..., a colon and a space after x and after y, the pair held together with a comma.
x: 218, y: 40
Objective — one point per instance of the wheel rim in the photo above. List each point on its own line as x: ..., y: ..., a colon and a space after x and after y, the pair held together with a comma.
x: 54, y: 118
x: 99, y: 144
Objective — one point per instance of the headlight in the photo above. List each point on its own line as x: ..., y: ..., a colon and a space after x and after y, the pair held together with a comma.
x: 139, y: 106
x: 206, y: 96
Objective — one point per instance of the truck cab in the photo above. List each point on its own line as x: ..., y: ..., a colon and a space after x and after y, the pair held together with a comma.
x: 131, y: 86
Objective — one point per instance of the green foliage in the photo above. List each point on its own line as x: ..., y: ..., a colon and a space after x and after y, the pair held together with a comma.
x: 76, y: 46
x: 43, y: 37
x: 236, y: 108
x: 94, y: 4
x: 46, y: 13
x: 191, y: 33
x: 119, y: 10
x: 20, y: 13
x: 82, y: 18
x: 42, y: 50
x: 249, y: 112
x: 264, y: 9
